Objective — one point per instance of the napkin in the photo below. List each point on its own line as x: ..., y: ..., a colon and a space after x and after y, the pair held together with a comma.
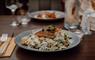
x: 10, y: 48
x: 4, y: 43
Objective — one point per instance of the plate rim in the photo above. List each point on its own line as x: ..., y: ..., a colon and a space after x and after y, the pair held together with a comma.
x: 50, y: 19
x: 32, y: 49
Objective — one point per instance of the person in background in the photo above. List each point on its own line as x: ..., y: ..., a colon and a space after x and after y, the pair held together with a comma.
x: 23, y: 9
x: 3, y: 9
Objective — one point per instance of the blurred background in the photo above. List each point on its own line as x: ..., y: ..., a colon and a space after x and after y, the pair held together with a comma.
x: 32, y: 5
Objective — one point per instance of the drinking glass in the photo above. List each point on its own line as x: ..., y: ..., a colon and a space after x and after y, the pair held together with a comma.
x: 12, y: 5
x: 23, y: 20
x: 72, y: 20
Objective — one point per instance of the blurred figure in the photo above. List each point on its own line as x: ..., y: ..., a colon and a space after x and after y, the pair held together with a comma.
x: 72, y: 9
x: 84, y: 5
x: 23, y: 9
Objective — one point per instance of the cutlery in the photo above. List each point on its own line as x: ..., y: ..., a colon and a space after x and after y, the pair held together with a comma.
x: 5, y: 42
x: 3, y: 38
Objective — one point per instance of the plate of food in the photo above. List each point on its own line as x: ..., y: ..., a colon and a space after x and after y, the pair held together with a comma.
x: 48, y: 39
x: 47, y: 15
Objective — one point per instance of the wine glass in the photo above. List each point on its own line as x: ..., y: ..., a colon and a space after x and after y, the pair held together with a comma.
x: 12, y: 5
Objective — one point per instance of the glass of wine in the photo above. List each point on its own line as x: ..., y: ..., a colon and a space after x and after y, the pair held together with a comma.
x: 12, y: 5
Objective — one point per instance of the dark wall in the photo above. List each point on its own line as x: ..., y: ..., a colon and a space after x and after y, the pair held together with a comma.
x: 3, y: 9
x: 34, y: 5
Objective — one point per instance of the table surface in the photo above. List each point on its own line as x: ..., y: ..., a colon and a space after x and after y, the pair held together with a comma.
x: 84, y: 51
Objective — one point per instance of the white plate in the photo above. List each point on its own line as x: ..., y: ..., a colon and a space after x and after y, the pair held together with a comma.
x: 73, y: 42
x: 59, y: 15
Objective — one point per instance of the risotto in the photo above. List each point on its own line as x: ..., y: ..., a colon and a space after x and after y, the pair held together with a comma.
x: 48, y: 39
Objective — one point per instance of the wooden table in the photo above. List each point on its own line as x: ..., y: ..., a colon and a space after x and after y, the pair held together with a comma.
x: 84, y: 51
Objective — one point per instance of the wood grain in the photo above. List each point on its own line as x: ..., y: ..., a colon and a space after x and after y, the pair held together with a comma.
x: 9, y: 49
x: 84, y: 51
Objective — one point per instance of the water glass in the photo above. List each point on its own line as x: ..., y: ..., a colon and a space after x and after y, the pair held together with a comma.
x: 23, y: 20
